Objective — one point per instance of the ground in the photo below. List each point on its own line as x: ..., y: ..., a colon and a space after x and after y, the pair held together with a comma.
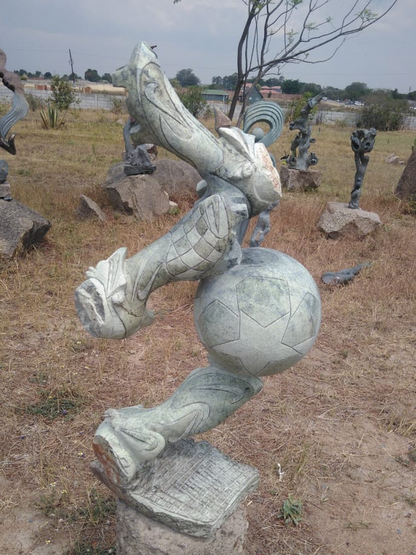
x: 337, y: 432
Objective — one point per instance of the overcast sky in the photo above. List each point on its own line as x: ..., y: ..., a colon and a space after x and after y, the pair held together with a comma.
x: 197, y: 34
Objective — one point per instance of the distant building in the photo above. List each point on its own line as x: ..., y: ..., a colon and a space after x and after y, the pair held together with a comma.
x: 218, y: 96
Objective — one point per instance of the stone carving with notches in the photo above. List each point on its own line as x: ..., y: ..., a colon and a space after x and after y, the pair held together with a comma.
x: 362, y: 142
x: 257, y: 311
x: 299, y: 158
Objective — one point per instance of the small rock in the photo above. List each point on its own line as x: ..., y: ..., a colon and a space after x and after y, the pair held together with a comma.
x: 89, y: 209
x: 392, y: 159
x: 137, y: 195
x: 177, y: 178
x: 299, y: 180
x: 338, y: 220
x: 20, y: 228
x: 406, y: 187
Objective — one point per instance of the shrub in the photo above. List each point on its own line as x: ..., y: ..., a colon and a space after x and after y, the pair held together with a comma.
x: 385, y: 115
x: 50, y: 118
x: 63, y: 94
x: 193, y: 101
x: 118, y: 106
x: 35, y: 102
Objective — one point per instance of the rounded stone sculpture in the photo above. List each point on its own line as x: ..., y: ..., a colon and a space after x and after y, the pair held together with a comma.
x: 261, y: 317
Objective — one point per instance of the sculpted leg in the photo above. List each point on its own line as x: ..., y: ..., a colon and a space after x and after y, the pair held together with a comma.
x: 112, y: 302
x: 132, y: 436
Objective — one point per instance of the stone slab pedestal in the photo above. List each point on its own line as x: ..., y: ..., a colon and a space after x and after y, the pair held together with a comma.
x: 338, y: 220
x: 140, y: 535
x: 191, y: 487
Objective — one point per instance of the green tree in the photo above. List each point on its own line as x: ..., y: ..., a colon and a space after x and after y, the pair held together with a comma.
x: 193, y: 101
x: 274, y: 81
x: 92, y: 75
x: 63, y: 94
x: 47, y: 75
x: 356, y: 91
x: 187, y: 78
x: 107, y: 77
x: 311, y: 88
x: 292, y: 86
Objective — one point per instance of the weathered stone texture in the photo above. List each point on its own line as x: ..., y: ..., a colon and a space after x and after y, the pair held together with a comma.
x: 406, y: 188
x: 177, y: 178
x: 340, y: 221
x: 89, y: 209
x: 191, y: 487
x: 299, y: 180
x: 140, y: 535
x: 137, y: 195
x: 20, y: 228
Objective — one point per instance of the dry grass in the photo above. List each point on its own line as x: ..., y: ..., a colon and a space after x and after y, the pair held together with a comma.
x: 347, y: 411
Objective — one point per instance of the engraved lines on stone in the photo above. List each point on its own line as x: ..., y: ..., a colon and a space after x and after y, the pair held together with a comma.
x: 204, y: 483
x: 199, y: 242
x: 278, y: 325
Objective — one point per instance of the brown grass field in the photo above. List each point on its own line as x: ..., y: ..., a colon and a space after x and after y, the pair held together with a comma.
x: 342, y: 423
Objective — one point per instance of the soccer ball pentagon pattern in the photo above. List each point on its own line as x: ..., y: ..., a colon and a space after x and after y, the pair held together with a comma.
x: 260, y: 317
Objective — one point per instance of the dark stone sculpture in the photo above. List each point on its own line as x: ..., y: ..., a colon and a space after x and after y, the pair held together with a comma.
x: 136, y: 158
x: 19, y: 108
x: 362, y: 142
x: 343, y: 276
x: 299, y: 158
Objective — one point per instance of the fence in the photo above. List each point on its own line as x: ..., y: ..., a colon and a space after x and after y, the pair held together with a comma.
x: 96, y: 101
x: 85, y: 101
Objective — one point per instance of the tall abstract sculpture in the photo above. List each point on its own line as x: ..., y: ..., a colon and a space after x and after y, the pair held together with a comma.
x: 300, y: 158
x: 362, y: 142
x: 257, y: 311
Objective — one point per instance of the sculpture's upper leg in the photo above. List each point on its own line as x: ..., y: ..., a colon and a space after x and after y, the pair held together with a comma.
x: 112, y: 301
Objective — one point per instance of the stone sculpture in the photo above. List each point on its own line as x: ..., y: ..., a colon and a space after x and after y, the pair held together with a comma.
x: 362, y: 142
x: 257, y: 311
x: 271, y: 114
x: 343, y: 276
x: 19, y: 108
x: 299, y: 158
x: 136, y: 157
x: 20, y: 227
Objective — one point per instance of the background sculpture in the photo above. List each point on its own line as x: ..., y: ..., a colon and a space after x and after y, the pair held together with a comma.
x: 257, y: 311
x: 271, y: 114
x: 136, y: 157
x: 299, y: 158
x: 362, y: 142
x: 19, y: 108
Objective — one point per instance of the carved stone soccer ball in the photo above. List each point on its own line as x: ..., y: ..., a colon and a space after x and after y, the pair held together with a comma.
x: 260, y: 317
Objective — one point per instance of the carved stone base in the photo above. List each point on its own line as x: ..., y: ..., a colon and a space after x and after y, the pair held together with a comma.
x: 299, y: 180
x: 338, y: 220
x: 191, y: 488
x: 140, y: 535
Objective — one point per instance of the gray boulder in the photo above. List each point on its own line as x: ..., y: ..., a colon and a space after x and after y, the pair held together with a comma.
x: 299, y: 180
x: 177, y: 178
x: 20, y: 228
x: 338, y: 220
x: 88, y: 209
x: 137, y: 195
x: 406, y: 187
